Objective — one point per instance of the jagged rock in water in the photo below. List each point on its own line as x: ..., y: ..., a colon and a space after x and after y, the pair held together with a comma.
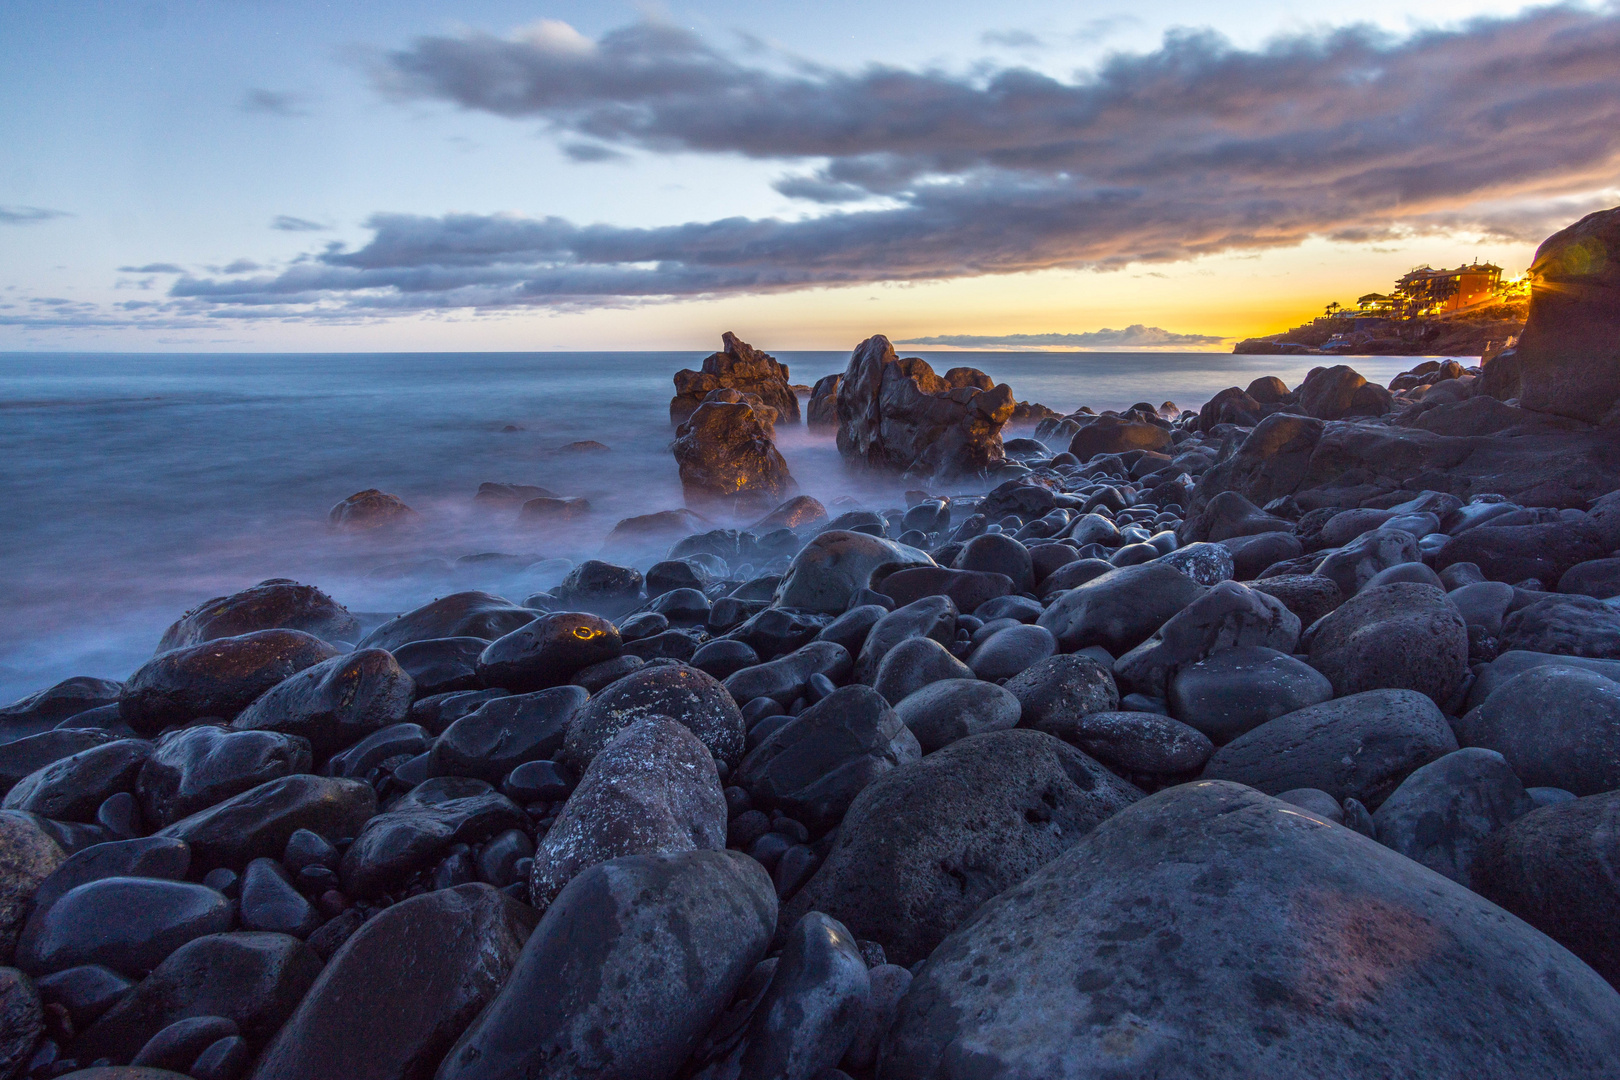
x: 739, y: 367
x: 899, y: 415
x: 726, y: 451
x: 823, y: 410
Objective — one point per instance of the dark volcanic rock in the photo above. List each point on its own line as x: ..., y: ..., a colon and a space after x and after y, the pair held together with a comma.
x: 442, y: 665
x: 931, y: 617
x: 43, y: 710
x: 27, y: 857
x: 1227, y: 616
x: 829, y: 570
x: 739, y: 366
x: 258, y: 822
x: 277, y: 604
x: 270, y: 902
x: 33, y: 752
x: 1142, y: 743
x: 912, y: 665
x: 217, y: 678
x: 403, y: 988
x: 1557, y: 726
x: 1359, y: 747
x: 502, y: 734
x: 1566, y: 625
x: 255, y: 980
x: 726, y: 452
x: 786, y: 677
x: 548, y: 651
x: 1515, y: 552
x: 952, y: 709
x: 194, y: 768
x: 922, y: 847
x: 1237, y: 690
x: 1554, y: 867
x: 812, y: 767
x: 1309, y: 596
x: 144, y: 857
x: 1116, y: 435
x: 22, y: 1021
x: 818, y: 997
x: 370, y: 509
x: 898, y: 415
x: 600, y: 586
x: 124, y: 923
x: 463, y: 614
x: 966, y: 588
x: 1571, y: 341
x: 73, y: 788
x: 1403, y: 636
x: 1442, y: 813
x: 1055, y: 693
x: 632, y: 962
x: 419, y: 829
x: 676, y: 691
x: 652, y: 790
x: 336, y: 703
x: 1211, y: 905
x: 1119, y: 610
x: 822, y: 411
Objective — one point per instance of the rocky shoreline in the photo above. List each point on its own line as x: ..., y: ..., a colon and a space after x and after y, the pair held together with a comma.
x: 1281, y: 736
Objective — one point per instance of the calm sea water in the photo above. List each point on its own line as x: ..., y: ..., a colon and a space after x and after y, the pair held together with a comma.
x: 135, y: 486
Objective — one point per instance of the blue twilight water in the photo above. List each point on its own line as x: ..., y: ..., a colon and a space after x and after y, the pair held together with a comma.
x: 137, y: 486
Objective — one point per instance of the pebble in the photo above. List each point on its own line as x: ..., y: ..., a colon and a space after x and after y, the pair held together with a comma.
x: 73, y: 788
x: 459, y: 615
x: 1442, y: 813
x: 215, y: 679
x: 1120, y: 609
x: 548, y: 651
x: 1556, y: 725
x: 128, y: 924
x: 488, y: 743
x: 1011, y: 651
x: 1236, y: 690
x: 259, y: 822
x: 1402, y: 636
x: 913, y: 664
x: 442, y: 665
x: 421, y: 828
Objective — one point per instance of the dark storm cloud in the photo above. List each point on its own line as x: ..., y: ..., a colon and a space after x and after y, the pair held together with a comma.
x: 29, y: 215
x: 1135, y: 336
x: 1195, y: 148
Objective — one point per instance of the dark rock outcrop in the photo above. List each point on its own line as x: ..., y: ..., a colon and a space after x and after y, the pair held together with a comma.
x: 741, y: 367
x: 1569, y: 353
x: 726, y: 452
x: 898, y: 415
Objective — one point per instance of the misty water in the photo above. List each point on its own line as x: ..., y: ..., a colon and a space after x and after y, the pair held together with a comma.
x: 136, y: 486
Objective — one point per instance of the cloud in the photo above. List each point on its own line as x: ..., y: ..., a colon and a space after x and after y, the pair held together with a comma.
x: 29, y: 215
x: 1135, y: 336
x: 152, y: 268
x: 274, y: 103
x: 591, y: 153
x: 1494, y: 126
x: 1011, y: 39
x: 288, y: 223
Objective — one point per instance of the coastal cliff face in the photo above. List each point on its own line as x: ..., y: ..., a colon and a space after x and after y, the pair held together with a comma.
x: 1569, y: 353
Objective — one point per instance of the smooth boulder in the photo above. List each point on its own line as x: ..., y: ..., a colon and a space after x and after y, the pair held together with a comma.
x: 1282, y: 941
x: 1404, y: 636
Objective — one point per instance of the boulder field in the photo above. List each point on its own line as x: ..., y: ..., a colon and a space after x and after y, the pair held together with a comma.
x: 1276, y: 739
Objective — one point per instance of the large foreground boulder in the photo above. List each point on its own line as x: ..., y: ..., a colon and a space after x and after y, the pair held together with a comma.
x: 1569, y: 353
x: 739, y: 366
x: 922, y: 847
x: 403, y: 988
x: 1211, y: 932
x: 631, y: 964
x: 898, y: 415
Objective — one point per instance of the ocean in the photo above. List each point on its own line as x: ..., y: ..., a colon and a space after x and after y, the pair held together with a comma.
x: 136, y: 486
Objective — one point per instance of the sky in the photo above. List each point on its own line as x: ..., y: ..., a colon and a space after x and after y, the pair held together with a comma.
x: 287, y: 175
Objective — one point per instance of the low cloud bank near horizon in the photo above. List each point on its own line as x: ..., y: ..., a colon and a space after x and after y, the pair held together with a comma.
x: 1135, y: 336
x: 1503, y: 127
